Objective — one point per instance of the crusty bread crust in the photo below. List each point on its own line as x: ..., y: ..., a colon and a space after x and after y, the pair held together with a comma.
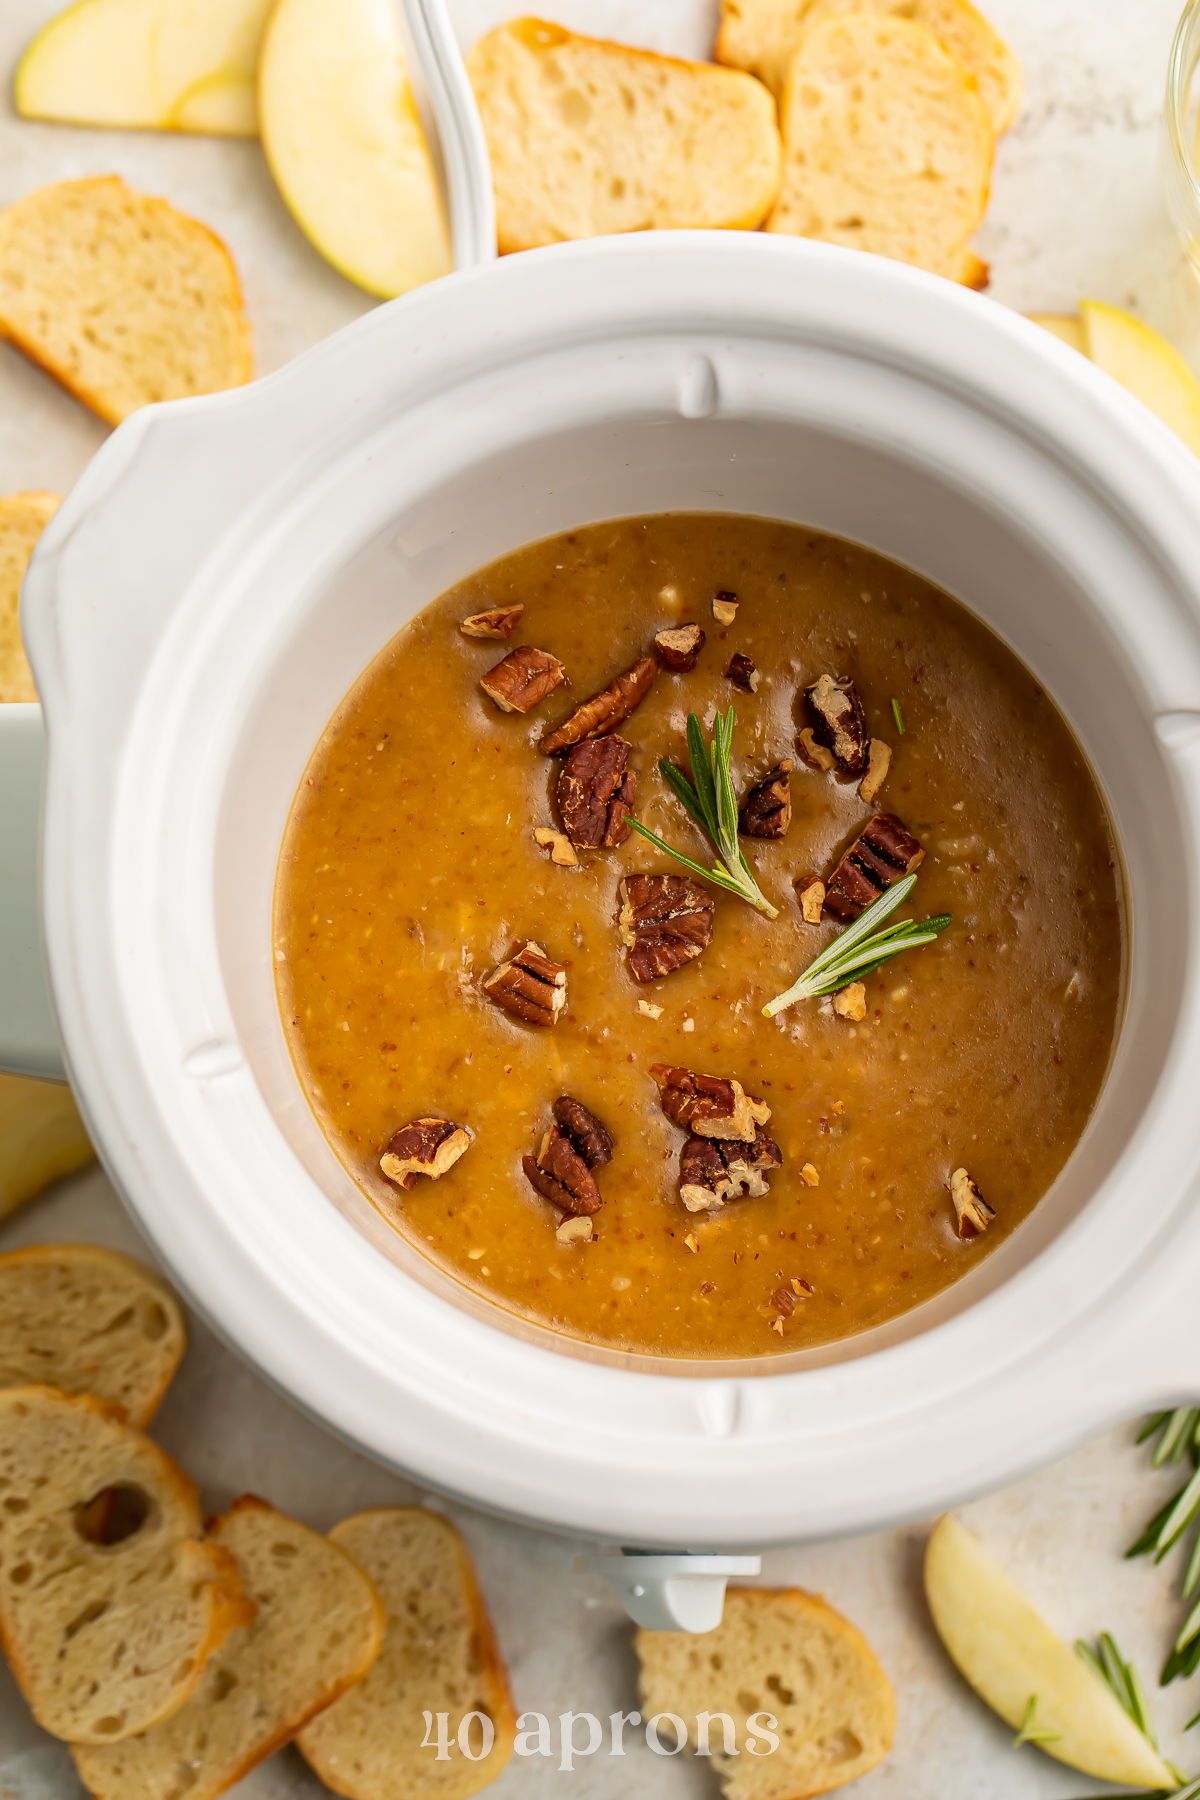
x: 85, y: 1319
x: 364, y: 1748
x: 786, y: 1652
x: 73, y: 1607
x: 23, y: 518
x: 94, y: 277
x: 319, y: 1627
x: 589, y: 137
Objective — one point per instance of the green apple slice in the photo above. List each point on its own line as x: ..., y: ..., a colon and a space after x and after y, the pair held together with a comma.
x: 1009, y: 1654
x: 174, y: 65
x: 1067, y: 326
x: 1146, y: 364
x: 344, y: 142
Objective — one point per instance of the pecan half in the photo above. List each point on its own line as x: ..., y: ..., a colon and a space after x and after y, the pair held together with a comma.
x: 499, y: 622
x: 560, y: 1175
x: 595, y: 793
x: 529, y: 985
x: 725, y: 607
x: 878, y: 764
x: 426, y: 1147
x: 604, y: 711
x: 711, y: 1173
x: 971, y: 1210
x: 708, y: 1105
x: 522, y: 678
x: 679, y: 648
x: 665, y: 920
x: 742, y: 673
x: 839, y: 721
x: 880, y: 855
x: 587, y: 1135
x: 766, y: 812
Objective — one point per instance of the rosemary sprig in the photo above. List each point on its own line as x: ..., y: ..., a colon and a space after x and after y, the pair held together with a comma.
x: 1123, y: 1680
x: 1030, y: 1732
x: 856, y: 952
x: 711, y: 801
x: 897, y: 716
x: 1178, y: 1434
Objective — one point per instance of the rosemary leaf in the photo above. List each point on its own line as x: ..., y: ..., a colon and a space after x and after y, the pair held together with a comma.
x: 856, y: 952
x: 685, y: 793
x: 897, y: 717
x: 1149, y: 1538
x: 1180, y: 1516
x: 1030, y: 1732
x: 1174, y: 1440
x: 1191, y: 1629
x: 1154, y: 1423
x: 702, y: 773
x: 1191, y: 1578
x: 710, y: 800
x: 718, y: 877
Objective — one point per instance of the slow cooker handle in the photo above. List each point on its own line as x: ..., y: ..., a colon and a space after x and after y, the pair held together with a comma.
x: 460, y: 132
x: 28, y: 1034
x: 681, y: 1592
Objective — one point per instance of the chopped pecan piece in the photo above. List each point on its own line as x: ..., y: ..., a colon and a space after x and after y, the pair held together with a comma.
x: 596, y: 792
x: 679, y: 648
x: 839, y: 721
x: 529, y: 985
x: 766, y: 812
x: 851, y: 1002
x: 812, y: 902
x: 742, y: 673
x: 522, y: 678
x: 665, y: 920
x: 711, y: 1172
x: 576, y: 1228
x: 725, y: 607
x: 426, y: 1147
x: 972, y: 1211
x: 878, y: 764
x: 709, y: 1105
x: 783, y: 1303
x: 880, y: 855
x: 815, y: 753
x: 560, y: 1175
x: 604, y: 711
x: 499, y: 622
x: 584, y: 1130
x: 558, y: 845
x: 809, y: 1175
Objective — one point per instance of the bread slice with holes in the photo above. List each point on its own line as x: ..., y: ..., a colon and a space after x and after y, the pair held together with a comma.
x: 23, y: 518
x: 111, y: 1598
x: 887, y: 145
x: 588, y: 137
x: 120, y: 297
x: 89, y: 1321
x: 318, y: 1630
x: 782, y: 1652
x: 439, y: 1655
x: 762, y: 36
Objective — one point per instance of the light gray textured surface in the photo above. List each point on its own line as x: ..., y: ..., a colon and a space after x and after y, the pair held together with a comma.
x: 1076, y: 210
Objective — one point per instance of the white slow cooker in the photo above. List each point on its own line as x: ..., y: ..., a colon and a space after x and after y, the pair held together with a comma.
x: 225, y: 569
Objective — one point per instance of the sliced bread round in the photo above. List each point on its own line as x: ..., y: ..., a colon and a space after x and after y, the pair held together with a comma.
x: 111, y: 1601
x: 588, y: 137
x: 318, y: 1630
x: 23, y: 518
x: 762, y: 36
x: 439, y: 1655
x: 784, y: 1653
x: 89, y: 1321
x: 887, y: 145
x: 120, y: 297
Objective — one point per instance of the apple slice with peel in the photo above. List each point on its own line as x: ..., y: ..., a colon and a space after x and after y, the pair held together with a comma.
x: 344, y: 142
x: 174, y: 65
x: 1146, y: 364
x: 1009, y: 1654
x: 1067, y: 326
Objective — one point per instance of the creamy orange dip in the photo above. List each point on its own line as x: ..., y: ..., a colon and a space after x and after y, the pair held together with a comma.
x: 410, y: 871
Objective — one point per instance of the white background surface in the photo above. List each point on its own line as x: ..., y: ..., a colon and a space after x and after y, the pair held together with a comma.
x: 1076, y: 210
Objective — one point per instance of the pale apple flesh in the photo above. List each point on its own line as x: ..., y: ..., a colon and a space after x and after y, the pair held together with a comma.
x: 170, y: 65
x: 345, y: 144
x: 1146, y: 364
x: 1066, y: 326
x: 1009, y: 1654
x: 42, y: 1138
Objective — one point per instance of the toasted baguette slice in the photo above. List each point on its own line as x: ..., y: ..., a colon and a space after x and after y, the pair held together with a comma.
x: 23, y: 518
x: 42, y: 1138
x: 784, y: 1652
x: 89, y: 1321
x: 319, y: 1628
x: 887, y: 146
x: 588, y: 137
x: 111, y: 1601
x: 762, y: 36
x: 120, y: 297
x: 439, y: 1655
